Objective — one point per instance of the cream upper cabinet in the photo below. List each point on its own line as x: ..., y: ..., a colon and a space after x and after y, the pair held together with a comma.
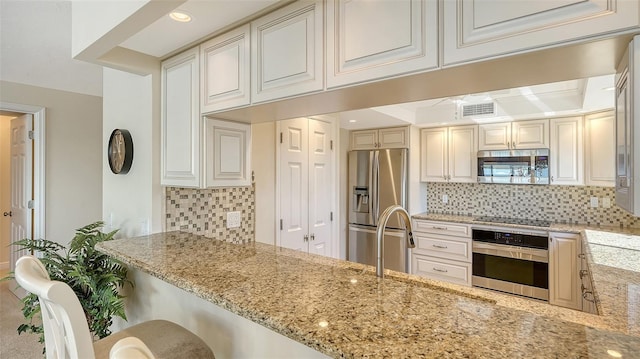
x: 565, y: 152
x: 181, y: 126
x: 449, y: 154
x: 478, y: 29
x: 600, y: 142
x: 369, y: 40
x: 514, y: 135
x: 224, y: 65
x: 393, y: 137
x: 228, y: 153
x: 564, y: 266
x: 287, y: 52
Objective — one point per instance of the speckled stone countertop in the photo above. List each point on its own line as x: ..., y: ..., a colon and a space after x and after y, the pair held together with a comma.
x: 343, y: 310
x: 613, y: 258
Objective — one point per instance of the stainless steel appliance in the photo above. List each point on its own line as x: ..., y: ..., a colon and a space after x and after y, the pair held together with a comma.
x: 377, y: 180
x: 514, y: 166
x: 511, y: 261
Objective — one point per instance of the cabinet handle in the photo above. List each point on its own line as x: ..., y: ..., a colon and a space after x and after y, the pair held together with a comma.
x: 440, y: 270
x: 581, y: 256
x: 586, y: 293
x: 306, y: 238
x: 313, y: 237
x: 583, y: 273
x: 438, y: 227
x: 439, y: 246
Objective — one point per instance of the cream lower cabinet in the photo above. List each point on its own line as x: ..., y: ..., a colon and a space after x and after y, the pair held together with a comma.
x: 449, y: 154
x: 181, y: 126
x: 369, y: 40
x: 476, y: 30
x: 514, y: 135
x: 305, y: 185
x: 394, y: 137
x: 600, y: 149
x: 224, y: 65
x: 564, y: 266
x: 442, y: 252
x: 566, y: 151
x: 287, y: 52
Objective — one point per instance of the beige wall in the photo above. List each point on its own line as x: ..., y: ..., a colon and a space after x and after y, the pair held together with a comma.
x: 133, y: 202
x: 74, y: 157
x: 263, y: 163
x: 5, y: 189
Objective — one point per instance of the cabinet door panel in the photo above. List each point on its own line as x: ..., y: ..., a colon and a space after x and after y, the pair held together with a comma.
x: 600, y: 149
x: 364, y: 140
x: 225, y: 71
x: 495, y: 136
x: 566, y: 151
x: 463, y: 154
x: 475, y: 29
x: 181, y: 122
x: 564, y: 281
x: 368, y: 40
x: 393, y: 137
x: 227, y: 155
x: 530, y: 134
x: 287, y: 52
x: 433, y: 154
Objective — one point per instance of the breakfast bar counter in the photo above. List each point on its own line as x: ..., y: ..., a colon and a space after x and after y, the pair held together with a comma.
x: 342, y: 309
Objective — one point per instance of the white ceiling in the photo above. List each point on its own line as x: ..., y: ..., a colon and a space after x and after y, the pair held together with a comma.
x: 35, y: 49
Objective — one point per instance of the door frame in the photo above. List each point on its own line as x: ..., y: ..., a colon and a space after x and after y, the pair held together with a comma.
x: 335, y: 181
x: 38, y: 129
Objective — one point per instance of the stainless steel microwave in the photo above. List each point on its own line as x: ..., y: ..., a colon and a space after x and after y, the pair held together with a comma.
x: 514, y: 166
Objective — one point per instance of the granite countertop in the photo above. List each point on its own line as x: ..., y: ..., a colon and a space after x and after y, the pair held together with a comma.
x: 343, y: 310
x: 613, y: 258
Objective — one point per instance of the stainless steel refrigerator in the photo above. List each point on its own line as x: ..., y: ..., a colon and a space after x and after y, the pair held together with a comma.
x: 377, y: 180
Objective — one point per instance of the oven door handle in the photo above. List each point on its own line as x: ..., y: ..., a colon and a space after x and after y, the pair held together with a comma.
x: 501, y: 250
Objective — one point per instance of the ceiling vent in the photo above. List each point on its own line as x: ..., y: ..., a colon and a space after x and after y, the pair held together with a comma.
x: 479, y: 109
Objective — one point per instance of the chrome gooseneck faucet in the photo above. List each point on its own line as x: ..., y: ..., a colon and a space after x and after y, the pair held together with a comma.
x: 382, y: 223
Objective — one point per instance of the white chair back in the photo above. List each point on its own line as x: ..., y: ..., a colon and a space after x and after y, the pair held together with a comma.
x: 66, y: 332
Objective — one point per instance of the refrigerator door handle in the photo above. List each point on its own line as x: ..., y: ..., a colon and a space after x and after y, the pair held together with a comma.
x: 375, y: 171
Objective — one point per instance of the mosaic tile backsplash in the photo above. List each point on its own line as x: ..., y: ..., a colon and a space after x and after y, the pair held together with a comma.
x: 204, y: 212
x: 562, y: 204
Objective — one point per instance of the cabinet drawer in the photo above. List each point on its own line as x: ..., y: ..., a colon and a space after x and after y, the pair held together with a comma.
x: 452, y: 229
x: 443, y: 247
x: 441, y: 269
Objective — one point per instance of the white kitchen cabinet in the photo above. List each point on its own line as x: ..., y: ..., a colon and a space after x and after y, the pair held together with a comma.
x: 599, y: 137
x: 443, y: 251
x: 449, y: 154
x: 514, y: 135
x: 564, y: 265
x: 228, y: 153
x: 224, y: 64
x: 566, y: 151
x: 393, y: 137
x: 181, y: 126
x: 479, y: 29
x: 287, y: 57
x: 369, y: 40
x: 305, y: 172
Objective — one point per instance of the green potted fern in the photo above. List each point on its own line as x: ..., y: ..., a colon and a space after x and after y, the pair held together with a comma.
x: 95, y: 277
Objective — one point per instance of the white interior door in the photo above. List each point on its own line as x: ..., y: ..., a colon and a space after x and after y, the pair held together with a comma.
x: 294, y: 184
x: 320, y: 187
x: 21, y: 182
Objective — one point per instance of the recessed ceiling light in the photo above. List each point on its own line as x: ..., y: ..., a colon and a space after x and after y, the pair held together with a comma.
x: 180, y: 16
x: 352, y: 121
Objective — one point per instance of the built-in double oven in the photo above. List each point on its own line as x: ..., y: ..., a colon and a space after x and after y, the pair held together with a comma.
x: 511, y: 260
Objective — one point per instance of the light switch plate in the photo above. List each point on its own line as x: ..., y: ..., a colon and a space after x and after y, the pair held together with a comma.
x: 606, y: 202
x: 594, y: 202
x: 445, y: 199
x: 233, y: 219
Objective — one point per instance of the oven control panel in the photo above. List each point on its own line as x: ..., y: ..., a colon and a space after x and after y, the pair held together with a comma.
x: 510, y: 238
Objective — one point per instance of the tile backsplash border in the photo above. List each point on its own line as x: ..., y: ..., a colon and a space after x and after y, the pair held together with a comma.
x: 562, y: 204
x: 204, y: 212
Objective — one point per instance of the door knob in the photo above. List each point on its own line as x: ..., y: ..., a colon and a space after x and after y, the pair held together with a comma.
x: 7, y: 214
